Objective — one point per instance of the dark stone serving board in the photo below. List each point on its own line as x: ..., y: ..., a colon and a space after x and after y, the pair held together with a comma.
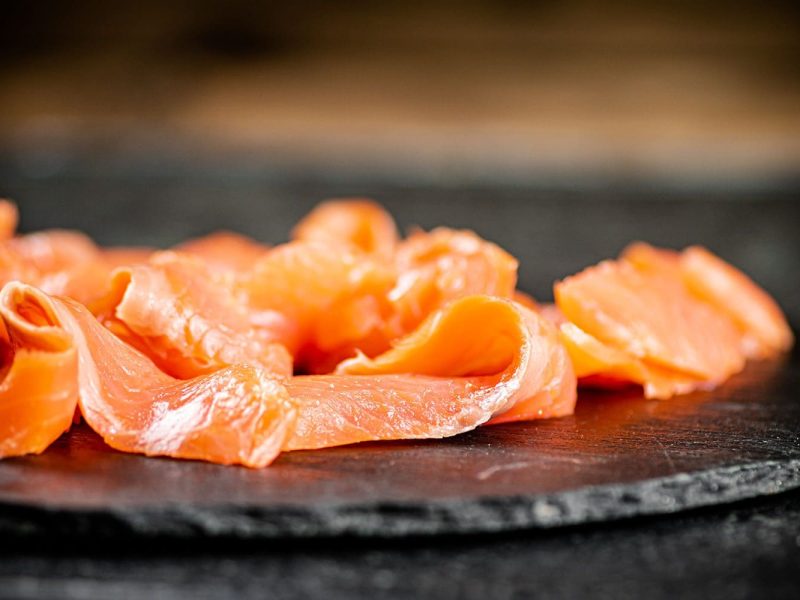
x: 618, y: 456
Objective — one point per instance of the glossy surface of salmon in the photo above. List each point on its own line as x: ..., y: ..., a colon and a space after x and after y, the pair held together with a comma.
x: 228, y: 350
x: 670, y: 321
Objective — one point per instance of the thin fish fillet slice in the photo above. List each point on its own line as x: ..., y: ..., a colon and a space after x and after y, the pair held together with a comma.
x: 225, y: 250
x: 355, y: 222
x: 8, y: 219
x: 237, y: 415
x: 602, y: 366
x: 59, y: 262
x: 479, y: 358
x: 39, y: 388
x: 765, y: 331
x: 183, y: 315
x: 652, y: 317
x: 325, y: 297
x: 729, y: 290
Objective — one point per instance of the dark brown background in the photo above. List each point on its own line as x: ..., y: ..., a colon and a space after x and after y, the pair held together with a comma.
x: 577, y: 92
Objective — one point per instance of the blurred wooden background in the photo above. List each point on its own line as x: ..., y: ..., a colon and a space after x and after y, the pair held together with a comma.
x: 682, y: 93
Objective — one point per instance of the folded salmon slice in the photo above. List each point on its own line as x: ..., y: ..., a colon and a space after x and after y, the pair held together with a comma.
x: 765, y: 331
x: 670, y: 321
x: 510, y: 366
x: 182, y: 314
x: 357, y: 223
x: 61, y: 262
x: 39, y: 388
x: 238, y: 415
x: 58, y: 261
x: 480, y: 359
x: 653, y: 317
x: 421, y: 274
x: 8, y: 219
x: 330, y: 301
x: 436, y: 267
x: 225, y: 250
x: 754, y: 311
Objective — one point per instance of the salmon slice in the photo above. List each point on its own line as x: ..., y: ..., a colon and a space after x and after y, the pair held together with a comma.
x: 510, y: 366
x: 182, y: 314
x: 765, y: 331
x: 9, y: 216
x: 123, y: 256
x: 442, y: 265
x: 225, y: 250
x: 763, y: 324
x: 343, y: 300
x: 602, y: 366
x: 39, y: 389
x: 480, y: 359
x: 653, y: 317
x: 645, y: 325
x: 58, y: 261
x: 357, y: 223
x: 238, y: 415
x: 332, y: 300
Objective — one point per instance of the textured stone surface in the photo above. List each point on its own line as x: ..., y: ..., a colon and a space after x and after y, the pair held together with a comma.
x: 749, y: 550
x: 618, y: 456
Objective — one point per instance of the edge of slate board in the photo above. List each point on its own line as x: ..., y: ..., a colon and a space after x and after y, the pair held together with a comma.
x: 591, y: 504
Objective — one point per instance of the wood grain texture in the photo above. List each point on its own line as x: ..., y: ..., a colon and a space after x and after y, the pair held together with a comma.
x: 702, y: 92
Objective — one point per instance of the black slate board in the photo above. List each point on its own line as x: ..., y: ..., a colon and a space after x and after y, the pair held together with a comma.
x: 742, y: 550
x: 619, y: 456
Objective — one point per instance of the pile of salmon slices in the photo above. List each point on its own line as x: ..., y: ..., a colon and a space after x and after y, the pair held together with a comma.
x: 227, y: 350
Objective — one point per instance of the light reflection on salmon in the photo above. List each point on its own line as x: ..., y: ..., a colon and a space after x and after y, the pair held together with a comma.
x: 228, y: 350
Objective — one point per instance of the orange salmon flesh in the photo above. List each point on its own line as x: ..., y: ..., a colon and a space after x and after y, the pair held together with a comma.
x: 231, y: 351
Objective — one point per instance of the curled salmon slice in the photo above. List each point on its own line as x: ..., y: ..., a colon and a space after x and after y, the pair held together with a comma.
x: 320, y: 302
x: 357, y: 223
x: 765, y: 331
x: 652, y: 317
x: 9, y: 217
x: 603, y: 366
x: 479, y: 359
x: 39, y: 389
x: 349, y: 286
x: 182, y: 314
x: 436, y: 267
x: 60, y: 262
x: 237, y: 415
x: 225, y: 250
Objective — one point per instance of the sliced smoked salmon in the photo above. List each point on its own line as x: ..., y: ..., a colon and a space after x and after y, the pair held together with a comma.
x: 478, y: 359
x: 653, y: 317
x: 8, y: 219
x: 670, y: 321
x: 225, y: 250
x: 237, y: 415
x: 358, y: 223
x: 325, y: 300
x: 511, y: 365
x: 181, y: 313
x: 764, y: 329
x: 227, y: 350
